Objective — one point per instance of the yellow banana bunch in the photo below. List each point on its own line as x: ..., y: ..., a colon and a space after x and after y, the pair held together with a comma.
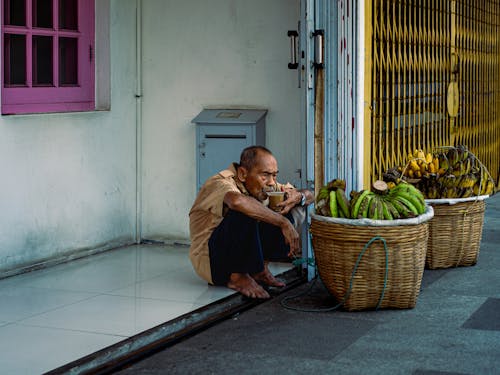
x: 419, y: 164
x: 451, y: 172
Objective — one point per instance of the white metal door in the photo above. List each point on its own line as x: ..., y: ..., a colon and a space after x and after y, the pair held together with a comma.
x: 338, y: 55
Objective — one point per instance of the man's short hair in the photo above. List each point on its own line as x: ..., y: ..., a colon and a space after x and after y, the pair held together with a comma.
x: 248, y: 157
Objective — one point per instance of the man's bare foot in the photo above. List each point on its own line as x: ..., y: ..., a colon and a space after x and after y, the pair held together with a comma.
x: 267, y: 278
x: 246, y: 285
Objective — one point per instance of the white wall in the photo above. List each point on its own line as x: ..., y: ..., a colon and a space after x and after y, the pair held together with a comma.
x: 199, y: 53
x: 68, y: 180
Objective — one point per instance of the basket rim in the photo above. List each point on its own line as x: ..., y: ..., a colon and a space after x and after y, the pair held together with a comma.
x: 452, y: 201
x: 426, y: 216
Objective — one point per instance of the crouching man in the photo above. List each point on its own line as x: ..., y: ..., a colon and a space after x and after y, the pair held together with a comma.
x: 234, y: 234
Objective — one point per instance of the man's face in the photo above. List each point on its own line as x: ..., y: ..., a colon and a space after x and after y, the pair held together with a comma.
x: 262, y: 177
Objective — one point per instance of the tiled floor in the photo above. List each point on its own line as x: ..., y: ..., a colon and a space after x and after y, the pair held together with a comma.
x: 57, y: 315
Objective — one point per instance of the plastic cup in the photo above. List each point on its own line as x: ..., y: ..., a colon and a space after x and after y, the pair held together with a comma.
x: 275, y: 197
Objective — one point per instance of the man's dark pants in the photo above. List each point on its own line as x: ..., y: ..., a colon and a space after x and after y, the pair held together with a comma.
x: 240, y: 244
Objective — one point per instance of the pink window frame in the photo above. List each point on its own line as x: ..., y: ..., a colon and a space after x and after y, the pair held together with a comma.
x: 29, y: 99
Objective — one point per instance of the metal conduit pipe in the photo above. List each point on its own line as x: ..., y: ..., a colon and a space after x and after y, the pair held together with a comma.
x: 360, y: 90
x: 138, y: 125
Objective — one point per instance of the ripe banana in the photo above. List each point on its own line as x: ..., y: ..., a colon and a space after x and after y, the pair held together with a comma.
x: 466, y: 193
x: 453, y: 172
x: 490, y: 188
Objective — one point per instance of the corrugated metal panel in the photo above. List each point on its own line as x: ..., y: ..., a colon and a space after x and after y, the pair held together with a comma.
x: 340, y: 112
x: 414, y: 45
x: 478, y: 48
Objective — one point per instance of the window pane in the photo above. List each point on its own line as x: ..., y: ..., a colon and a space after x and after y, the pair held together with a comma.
x: 42, y: 13
x: 14, y: 12
x: 42, y: 61
x: 14, y: 60
x: 68, y: 61
x: 68, y: 14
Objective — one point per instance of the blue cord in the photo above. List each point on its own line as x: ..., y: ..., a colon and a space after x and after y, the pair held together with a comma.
x: 365, y: 248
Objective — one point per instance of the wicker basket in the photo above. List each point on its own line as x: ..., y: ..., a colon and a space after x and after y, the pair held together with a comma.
x: 455, y: 232
x: 337, y: 245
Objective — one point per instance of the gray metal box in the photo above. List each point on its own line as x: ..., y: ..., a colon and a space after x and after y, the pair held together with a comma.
x: 221, y: 135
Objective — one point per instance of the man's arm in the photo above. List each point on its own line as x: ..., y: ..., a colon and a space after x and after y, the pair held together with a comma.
x: 256, y: 210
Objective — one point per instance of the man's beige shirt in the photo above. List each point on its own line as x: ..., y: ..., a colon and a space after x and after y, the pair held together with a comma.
x: 206, y: 214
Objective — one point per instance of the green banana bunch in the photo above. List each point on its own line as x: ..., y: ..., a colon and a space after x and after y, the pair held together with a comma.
x: 339, y: 204
x: 334, y: 209
x: 402, y: 201
x: 358, y: 204
x: 343, y: 203
x: 332, y: 200
x: 364, y: 208
x: 407, y: 199
x: 392, y: 212
x: 336, y: 183
x: 322, y: 194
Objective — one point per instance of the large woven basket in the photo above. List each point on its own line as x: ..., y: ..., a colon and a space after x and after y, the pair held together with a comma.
x: 455, y: 232
x: 338, y: 243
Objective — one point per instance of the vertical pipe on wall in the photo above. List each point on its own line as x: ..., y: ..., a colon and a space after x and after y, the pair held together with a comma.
x: 361, y: 96
x: 138, y: 124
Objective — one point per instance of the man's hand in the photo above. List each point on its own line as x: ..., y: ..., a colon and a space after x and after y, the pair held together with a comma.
x: 293, y: 198
x: 291, y: 238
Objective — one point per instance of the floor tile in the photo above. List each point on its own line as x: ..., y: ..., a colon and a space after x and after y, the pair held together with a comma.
x: 114, y: 315
x: 110, y: 270
x: 432, y: 372
x: 486, y: 317
x: 35, y: 350
x: 277, y: 268
x: 62, y: 313
x: 21, y: 303
x: 181, y: 286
